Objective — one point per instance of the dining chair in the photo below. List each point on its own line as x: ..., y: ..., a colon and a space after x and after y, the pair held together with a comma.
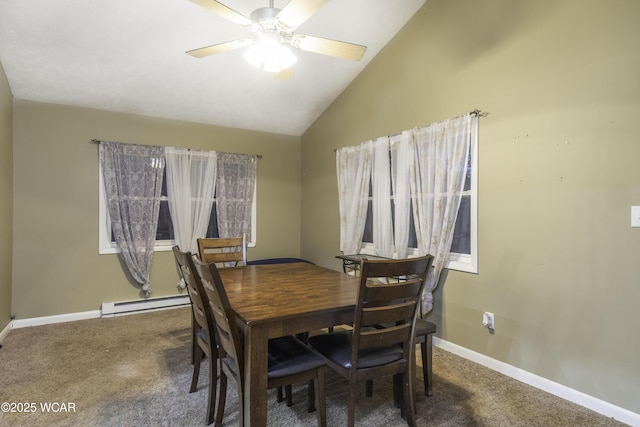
x: 381, y: 342
x: 204, y: 338
x: 224, y: 251
x: 424, y: 334
x: 289, y: 360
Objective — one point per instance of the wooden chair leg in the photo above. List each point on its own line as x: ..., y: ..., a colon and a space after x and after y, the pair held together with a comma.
x: 369, y: 388
x: 213, y: 382
x: 351, y: 410
x: 196, y: 368
x: 408, y: 403
x: 288, y: 395
x: 222, y: 397
x: 322, y: 406
x: 427, y: 362
x: 398, y: 389
x: 311, y: 397
x: 280, y: 397
x: 194, y: 333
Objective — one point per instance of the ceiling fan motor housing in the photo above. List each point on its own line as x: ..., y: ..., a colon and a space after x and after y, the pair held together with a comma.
x: 266, y: 25
x: 265, y: 13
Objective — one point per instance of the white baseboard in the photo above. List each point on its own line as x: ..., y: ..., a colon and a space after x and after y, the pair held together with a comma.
x: 59, y: 318
x: 5, y: 331
x: 140, y: 305
x: 577, y: 397
x: 108, y: 310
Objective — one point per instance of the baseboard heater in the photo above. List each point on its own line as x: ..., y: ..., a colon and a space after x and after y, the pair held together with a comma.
x: 140, y: 305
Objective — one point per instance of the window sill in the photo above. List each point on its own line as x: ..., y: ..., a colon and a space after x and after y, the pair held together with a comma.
x: 458, y: 262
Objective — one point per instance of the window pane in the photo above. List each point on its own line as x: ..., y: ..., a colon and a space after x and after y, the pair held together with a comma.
x: 462, y: 233
x: 212, y: 229
x: 368, y: 225
x: 165, y: 227
x: 413, y: 239
x: 163, y: 192
x: 467, y: 181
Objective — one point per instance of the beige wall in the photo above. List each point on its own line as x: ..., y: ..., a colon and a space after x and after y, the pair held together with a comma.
x: 56, y: 266
x: 558, y: 174
x: 6, y: 195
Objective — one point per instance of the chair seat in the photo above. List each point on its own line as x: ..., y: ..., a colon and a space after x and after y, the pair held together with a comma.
x: 288, y: 356
x: 424, y: 327
x: 337, y: 347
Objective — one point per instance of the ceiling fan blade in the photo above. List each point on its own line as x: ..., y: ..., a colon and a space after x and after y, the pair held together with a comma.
x: 224, y: 11
x: 329, y: 47
x: 219, y: 48
x: 298, y: 11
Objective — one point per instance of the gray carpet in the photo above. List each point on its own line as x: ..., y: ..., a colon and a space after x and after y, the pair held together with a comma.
x: 135, y: 371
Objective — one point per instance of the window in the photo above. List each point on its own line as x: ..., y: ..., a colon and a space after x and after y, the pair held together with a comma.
x: 464, y: 249
x: 164, y: 234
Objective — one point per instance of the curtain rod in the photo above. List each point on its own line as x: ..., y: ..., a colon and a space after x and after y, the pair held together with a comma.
x: 475, y: 112
x: 98, y: 141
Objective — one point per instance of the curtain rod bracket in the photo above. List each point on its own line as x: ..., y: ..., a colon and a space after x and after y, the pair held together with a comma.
x: 479, y: 113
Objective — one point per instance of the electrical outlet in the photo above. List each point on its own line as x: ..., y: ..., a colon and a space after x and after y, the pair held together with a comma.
x: 488, y: 320
x: 635, y: 216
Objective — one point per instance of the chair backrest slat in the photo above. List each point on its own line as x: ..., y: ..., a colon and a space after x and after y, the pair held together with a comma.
x: 377, y: 338
x: 388, y: 314
x: 377, y: 292
x: 224, y: 250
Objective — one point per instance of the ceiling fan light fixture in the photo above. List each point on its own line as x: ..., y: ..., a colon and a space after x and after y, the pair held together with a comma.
x: 270, y: 55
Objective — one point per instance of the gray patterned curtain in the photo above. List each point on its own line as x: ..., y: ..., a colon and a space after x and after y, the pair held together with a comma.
x: 133, y: 184
x: 235, y: 185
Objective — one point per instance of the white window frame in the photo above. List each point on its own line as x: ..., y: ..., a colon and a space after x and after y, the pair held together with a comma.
x: 460, y: 262
x: 106, y: 246
x: 469, y: 262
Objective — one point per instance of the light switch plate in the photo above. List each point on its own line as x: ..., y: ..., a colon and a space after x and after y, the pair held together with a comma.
x: 635, y: 216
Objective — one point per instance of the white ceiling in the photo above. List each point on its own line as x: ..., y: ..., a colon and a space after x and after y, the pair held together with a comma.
x: 129, y: 56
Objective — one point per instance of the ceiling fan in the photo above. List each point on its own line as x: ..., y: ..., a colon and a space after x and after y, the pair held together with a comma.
x: 272, y: 32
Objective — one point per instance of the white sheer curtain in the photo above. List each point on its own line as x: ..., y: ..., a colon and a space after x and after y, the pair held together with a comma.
x: 437, y: 176
x: 381, y: 185
x: 353, y: 165
x: 191, y: 182
x: 400, y: 180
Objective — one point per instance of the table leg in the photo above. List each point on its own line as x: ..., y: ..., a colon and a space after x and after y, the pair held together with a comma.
x: 255, y: 373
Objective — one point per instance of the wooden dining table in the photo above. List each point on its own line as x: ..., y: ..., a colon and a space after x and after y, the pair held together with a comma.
x: 275, y: 300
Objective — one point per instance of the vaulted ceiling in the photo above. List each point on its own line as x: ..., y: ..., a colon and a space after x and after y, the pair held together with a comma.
x: 129, y: 56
